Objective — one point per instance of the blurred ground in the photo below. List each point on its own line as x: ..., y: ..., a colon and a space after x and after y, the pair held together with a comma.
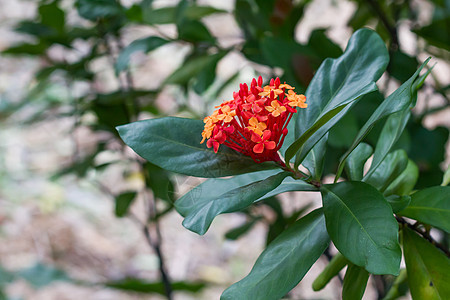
x: 69, y: 223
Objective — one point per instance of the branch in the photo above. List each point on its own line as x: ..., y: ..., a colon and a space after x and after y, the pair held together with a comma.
x: 392, y: 30
x: 424, y: 234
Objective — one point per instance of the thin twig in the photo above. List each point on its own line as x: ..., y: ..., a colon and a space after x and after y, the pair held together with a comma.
x: 392, y: 30
x: 424, y: 234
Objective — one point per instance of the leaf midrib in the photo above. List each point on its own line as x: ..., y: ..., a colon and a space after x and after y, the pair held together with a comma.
x: 349, y: 210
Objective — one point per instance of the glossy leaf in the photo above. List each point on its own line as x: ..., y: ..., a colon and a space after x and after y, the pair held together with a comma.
x: 399, y: 100
x: 391, y: 132
x: 216, y: 187
x: 315, y: 159
x: 355, y: 282
x: 145, y: 45
x: 340, y: 82
x: 324, y: 120
x: 174, y: 144
x: 93, y: 9
x: 405, y: 182
x: 431, y: 206
x: 398, y: 203
x: 337, y: 263
x: 427, y: 268
x: 200, y: 212
x: 355, y: 163
x: 361, y: 225
x: 123, y: 202
x: 291, y: 254
x: 389, y: 169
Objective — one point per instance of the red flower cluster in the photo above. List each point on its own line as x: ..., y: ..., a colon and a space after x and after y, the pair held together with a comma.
x: 254, y: 122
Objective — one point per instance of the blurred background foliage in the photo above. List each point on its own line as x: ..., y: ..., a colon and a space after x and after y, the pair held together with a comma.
x: 104, y: 63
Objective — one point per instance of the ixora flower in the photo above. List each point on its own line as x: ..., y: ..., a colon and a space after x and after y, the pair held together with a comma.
x: 254, y: 122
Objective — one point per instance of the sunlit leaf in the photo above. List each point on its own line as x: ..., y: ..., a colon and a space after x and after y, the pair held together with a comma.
x: 427, y: 268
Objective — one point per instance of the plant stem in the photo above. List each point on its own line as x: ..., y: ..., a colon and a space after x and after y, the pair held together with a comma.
x: 386, y: 23
x: 424, y: 234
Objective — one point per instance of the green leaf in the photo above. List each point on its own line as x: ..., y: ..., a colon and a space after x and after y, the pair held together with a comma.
x: 194, y: 31
x: 27, y: 49
x: 41, y: 275
x: 402, y: 66
x: 431, y: 206
x: 354, y: 165
x: 339, y: 82
x: 337, y: 263
x: 145, y: 44
x: 142, y: 286
x: 427, y: 268
x: 315, y: 158
x: 428, y: 152
x: 166, y: 15
x: 52, y: 16
x: 389, y: 169
x: 174, y: 144
x: 361, y: 225
x: 324, y: 120
x: 391, y: 132
x: 192, y: 67
x: 446, y: 178
x: 437, y: 33
x: 398, y: 203
x: 355, y: 282
x: 284, y: 262
x: 405, y: 182
x: 123, y: 202
x: 322, y: 45
x: 200, y: 212
x: 399, y: 100
x: 399, y: 287
x: 94, y: 9
x: 160, y: 183
x: 216, y: 187
x: 239, y: 231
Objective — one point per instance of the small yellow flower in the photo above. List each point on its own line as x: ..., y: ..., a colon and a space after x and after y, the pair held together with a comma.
x: 256, y: 126
x: 227, y: 114
x: 275, y: 108
x: 296, y: 100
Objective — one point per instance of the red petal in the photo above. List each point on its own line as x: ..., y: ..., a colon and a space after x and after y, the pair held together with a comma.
x: 270, y: 145
x: 209, y: 143
x: 257, y: 109
x: 259, y: 148
x: 277, y: 82
x: 256, y: 138
x: 266, y: 135
x: 216, y: 146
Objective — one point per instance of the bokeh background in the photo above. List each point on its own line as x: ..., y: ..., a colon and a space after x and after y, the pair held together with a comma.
x: 76, y: 204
